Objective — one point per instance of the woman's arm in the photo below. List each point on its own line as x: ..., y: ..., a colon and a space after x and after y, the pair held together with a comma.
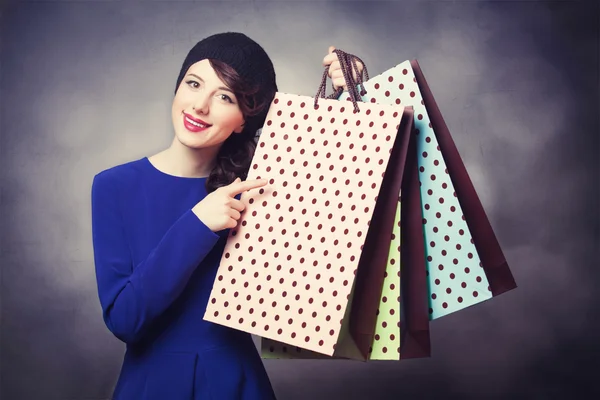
x: 132, y: 297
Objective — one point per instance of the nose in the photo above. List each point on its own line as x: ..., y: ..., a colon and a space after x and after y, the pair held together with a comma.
x: 202, y: 103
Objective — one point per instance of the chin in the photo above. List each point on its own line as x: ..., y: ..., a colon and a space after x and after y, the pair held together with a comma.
x: 189, y: 142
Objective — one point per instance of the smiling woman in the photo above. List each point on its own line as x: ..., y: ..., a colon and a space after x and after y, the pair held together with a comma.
x: 160, y: 224
x: 236, y: 94
x: 205, y: 114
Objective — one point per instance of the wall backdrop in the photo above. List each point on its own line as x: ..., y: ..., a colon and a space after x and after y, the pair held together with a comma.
x: 86, y: 85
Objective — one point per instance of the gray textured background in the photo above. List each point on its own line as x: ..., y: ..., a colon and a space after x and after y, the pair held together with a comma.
x: 86, y: 85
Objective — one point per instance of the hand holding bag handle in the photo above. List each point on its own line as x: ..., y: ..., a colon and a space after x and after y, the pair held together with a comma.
x: 347, y: 61
x: 370, y: 272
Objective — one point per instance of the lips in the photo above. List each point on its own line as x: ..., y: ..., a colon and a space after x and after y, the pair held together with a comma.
x: 194, y: 124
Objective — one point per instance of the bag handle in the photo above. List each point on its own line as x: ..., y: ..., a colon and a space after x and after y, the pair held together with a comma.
x: 347, y: 61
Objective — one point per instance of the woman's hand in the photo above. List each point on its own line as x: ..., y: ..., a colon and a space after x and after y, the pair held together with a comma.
x: 335, y: 70
x: 220, y: 209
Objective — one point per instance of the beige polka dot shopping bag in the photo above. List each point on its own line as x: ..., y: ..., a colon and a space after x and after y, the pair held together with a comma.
x: 306, y: 265
x: 401, y: 321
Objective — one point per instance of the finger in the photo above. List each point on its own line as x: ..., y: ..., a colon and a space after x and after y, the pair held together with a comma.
x: 329, y: 58
x: 337, y: 83
x: 340, y: 82
x: 236, y: 187
x: 232, y: 223
x: 234, y: 214
x: 337, y: 74
x: 226, y: 188
x: 237, y: 205
x: 335, y: 66
x: 359, y: 66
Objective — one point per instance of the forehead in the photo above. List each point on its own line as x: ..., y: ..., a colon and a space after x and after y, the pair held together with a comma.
x: 205, y: 71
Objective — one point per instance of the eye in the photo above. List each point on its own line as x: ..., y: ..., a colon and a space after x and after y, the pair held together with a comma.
x: 226, y: 98
x: 193, y: 84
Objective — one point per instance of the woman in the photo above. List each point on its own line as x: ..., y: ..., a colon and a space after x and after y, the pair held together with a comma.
x: 160, y: 224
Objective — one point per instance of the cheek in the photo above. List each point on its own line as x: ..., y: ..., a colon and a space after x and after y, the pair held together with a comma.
x: 230, y: 119
x: 237, y: 119
x: 182, y: 99
x: 175, y: 106
x: 178, y: 102
x: 175, y: 112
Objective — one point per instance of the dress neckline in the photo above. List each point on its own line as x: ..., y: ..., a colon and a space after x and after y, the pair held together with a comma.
x: 159, y: 172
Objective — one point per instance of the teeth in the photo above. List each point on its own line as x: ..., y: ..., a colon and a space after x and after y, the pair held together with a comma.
x: 195, y: 123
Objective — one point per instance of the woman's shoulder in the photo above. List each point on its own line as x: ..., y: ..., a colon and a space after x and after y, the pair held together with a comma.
x: 122, y: 174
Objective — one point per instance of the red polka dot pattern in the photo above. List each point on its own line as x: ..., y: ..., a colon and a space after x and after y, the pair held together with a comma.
x: 386, y: 342
x: 344, y: 348
x: 307, y: 227
x: 272, y: 349
x: 456, y: 279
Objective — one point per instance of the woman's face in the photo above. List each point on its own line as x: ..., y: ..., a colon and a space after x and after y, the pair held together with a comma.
x: 205, y: 111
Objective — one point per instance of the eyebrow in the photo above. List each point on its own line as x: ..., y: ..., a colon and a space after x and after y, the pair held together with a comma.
x: 221, y: 88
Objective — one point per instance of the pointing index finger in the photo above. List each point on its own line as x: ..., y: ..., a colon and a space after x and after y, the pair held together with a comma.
x: 239, y: 187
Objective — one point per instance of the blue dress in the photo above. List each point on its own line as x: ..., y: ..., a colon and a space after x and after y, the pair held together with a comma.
x: 155, y: 266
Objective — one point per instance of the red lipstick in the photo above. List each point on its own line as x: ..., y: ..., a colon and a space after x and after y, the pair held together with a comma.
x: 194, y: 124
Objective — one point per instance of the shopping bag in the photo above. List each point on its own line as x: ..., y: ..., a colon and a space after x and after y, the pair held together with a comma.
x: 492, y: 259
x: 465, y: 264
x: 390, y: 342
x: 312, y: 237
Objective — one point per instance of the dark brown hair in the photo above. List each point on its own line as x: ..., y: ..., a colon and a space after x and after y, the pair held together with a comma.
x: 235, y: 155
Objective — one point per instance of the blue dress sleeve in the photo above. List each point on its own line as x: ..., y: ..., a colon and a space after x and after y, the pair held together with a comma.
x: 133, y: 296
